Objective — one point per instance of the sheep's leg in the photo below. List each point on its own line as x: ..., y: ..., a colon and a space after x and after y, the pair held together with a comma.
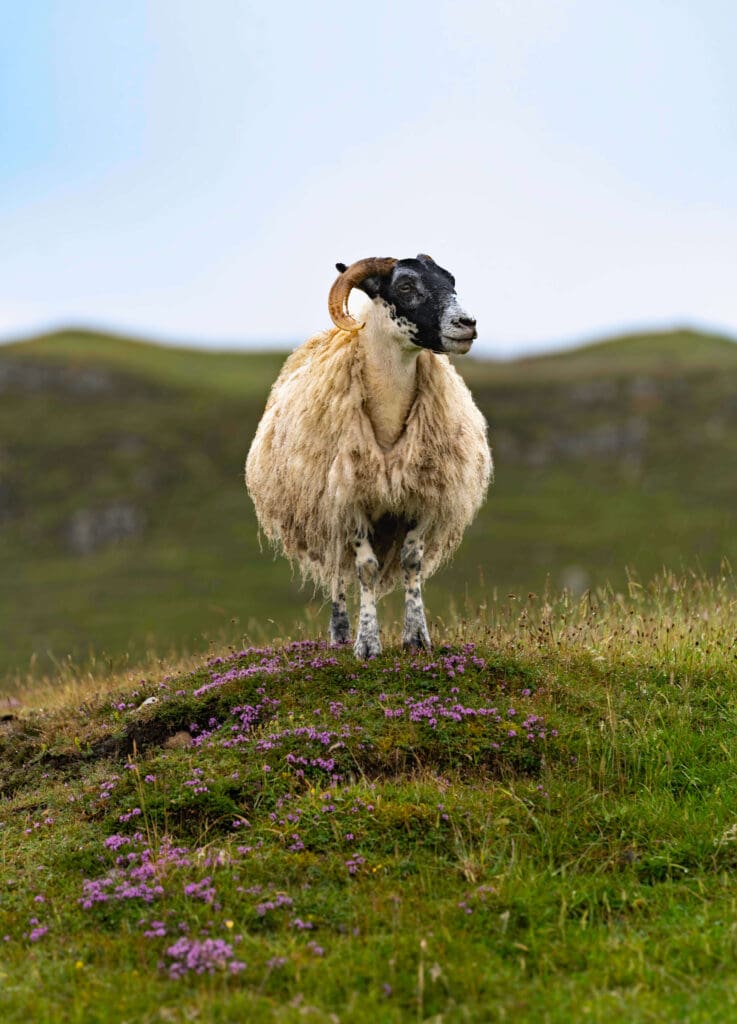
x: 415, y: 634
x: 367, y: 643
x: 340, y: 627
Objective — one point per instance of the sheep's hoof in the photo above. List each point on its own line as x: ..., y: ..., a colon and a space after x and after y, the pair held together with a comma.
x: 416, y: 639
x: 367, y: 645
x: 340, y: 630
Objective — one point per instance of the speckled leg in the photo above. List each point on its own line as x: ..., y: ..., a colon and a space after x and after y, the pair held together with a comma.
x: 340, y: 627
x: 367, y: 644
x: 415, y: 635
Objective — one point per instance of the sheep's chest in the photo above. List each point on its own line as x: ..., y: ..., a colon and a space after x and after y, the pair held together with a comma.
x: 389, y: 419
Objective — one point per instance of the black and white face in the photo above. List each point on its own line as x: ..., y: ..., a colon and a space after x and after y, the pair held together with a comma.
x: 421, y: 298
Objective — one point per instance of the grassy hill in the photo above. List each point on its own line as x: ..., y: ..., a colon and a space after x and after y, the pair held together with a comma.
x: 125, y: 528
x: 534, y: 823
x: 240, y: 374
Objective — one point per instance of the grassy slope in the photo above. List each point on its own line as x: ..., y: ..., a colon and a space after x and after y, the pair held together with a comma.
x: 237, y: 374
x: 385, y: 868
x: 612, y: 455
x: 663, y: 352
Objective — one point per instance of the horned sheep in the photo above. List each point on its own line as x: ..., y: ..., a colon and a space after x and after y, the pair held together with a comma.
x: 371, y: 458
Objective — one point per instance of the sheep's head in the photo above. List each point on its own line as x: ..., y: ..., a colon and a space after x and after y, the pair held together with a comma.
x: 419, y: 295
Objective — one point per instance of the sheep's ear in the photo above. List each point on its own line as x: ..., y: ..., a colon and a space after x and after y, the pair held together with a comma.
x: 370, y: 285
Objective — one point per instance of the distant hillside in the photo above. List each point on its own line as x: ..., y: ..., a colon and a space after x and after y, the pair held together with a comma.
x: 235, y: 373
x: 663, y: 352
x: 125, y: 526
x: 239, y: 372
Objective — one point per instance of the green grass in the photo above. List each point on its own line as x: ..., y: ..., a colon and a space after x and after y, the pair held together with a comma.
x: 237, y: 374
x: 658, y: 353
x: 450, y: 871
x: 612, y: 456
x: 447, y: 870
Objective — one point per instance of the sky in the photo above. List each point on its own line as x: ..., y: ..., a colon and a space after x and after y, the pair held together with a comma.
x: 192, y: 171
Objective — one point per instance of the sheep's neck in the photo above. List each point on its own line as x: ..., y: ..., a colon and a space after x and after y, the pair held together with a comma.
x: 390, y: 379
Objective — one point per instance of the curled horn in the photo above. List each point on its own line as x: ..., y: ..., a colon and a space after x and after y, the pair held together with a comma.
x: 348, y: 279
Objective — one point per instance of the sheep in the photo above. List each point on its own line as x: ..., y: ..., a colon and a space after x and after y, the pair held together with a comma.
x: 371, y: 456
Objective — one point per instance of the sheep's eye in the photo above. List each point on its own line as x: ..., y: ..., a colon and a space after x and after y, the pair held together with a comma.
x: 406, y: 287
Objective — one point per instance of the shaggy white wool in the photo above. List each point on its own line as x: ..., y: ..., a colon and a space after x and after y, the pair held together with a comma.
x: 316, y: 472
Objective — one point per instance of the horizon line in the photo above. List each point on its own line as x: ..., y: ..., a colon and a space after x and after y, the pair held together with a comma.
x: 509, y: 350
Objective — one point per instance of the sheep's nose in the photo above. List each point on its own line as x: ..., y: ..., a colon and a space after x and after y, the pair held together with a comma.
x: 464, y: 321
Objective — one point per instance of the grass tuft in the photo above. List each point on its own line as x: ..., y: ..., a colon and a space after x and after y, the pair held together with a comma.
x: 537, y: 821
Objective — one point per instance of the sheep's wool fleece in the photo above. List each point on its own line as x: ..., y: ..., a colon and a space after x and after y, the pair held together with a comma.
x: 315, y: 471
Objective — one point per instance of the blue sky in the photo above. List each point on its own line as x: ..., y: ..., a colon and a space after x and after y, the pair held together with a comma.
x: 192, y: 171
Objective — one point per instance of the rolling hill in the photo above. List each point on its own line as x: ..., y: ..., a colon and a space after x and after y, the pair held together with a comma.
x: 125, y: 527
